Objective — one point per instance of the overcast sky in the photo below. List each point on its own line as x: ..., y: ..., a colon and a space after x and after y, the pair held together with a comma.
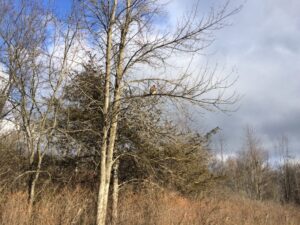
x: 263, y: 45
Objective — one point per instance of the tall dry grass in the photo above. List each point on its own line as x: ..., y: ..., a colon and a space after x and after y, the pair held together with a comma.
x: 148, y: 207
x: 63, y: 207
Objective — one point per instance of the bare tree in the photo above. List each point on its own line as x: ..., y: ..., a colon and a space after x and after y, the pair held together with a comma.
x: 7, y: 34
x: 253, y: 166
x: 125, y: 37
x: 36, y: 74
x: 288, y: 173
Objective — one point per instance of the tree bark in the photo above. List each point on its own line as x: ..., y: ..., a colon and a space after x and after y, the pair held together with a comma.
x: 106, y: 167
x: 35, y: 171
x: 102, y: 199
x: 115, y: 194
x: 32, y: 184
x: 116, y: 107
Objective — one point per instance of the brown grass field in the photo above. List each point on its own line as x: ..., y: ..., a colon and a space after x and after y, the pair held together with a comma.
x: 145, y: 208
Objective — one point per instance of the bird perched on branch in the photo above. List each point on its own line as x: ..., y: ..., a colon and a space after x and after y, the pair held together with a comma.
x: 153, y: 90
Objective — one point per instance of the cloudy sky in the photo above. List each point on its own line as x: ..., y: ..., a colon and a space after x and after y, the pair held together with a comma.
x: 262, y: 45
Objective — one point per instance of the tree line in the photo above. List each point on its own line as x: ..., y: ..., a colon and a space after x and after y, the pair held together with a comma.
x: 253, y: 174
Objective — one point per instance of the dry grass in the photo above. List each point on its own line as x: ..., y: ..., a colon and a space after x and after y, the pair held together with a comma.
x: 65, y: 207
x: 145, y: 208
x: 171, y: 209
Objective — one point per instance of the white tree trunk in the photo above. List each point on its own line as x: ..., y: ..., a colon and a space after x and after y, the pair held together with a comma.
x: 104, y: 180
x: 115, y: 194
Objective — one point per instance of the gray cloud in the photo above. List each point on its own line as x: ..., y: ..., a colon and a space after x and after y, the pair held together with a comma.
x: 263, y: 44
x: 267, y: 56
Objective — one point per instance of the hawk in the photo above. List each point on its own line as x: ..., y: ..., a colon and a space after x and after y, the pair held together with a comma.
x: 153, y: 90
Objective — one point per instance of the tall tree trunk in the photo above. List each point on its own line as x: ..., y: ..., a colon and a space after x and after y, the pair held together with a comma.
x: 116, y: 104
x: 115, y: 194
x: 31, y: 187
x: 101, y: 201
x: 35, y: 173
x: 106, y: 169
